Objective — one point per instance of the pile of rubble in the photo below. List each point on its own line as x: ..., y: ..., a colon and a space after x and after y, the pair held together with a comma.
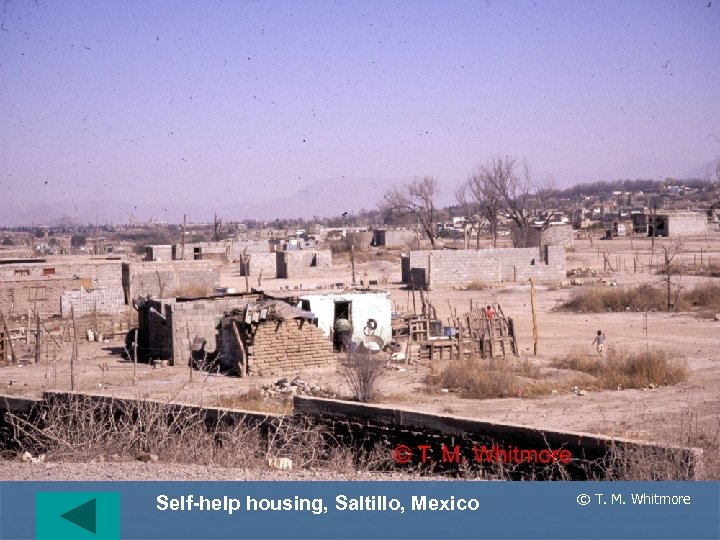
x: 294, y: 387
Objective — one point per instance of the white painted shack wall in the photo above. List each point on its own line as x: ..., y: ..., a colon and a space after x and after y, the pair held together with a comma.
x: 364, y: 306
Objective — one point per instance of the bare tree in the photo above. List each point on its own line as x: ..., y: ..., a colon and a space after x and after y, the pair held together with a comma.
x: 416, y: 199
x: 519, y: 196
x: 217, y: 228
x: 486, y: 197
x: 472, y: 217
x: 670, y: 251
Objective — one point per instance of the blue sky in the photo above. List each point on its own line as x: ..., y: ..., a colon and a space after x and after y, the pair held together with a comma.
x: 202, y: 103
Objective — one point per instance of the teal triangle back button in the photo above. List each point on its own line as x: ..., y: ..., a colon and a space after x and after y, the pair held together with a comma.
x: 84, y: 516
x: 77, y: 515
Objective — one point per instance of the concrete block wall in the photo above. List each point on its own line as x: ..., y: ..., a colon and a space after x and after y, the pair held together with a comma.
x: 303, y: 263
x: 228, y: 250
x: 19, y: 294
x: 260, y: 262
x: 166, y: 279
x: 198, y: 318
x: 159, y: 253
x: 458, y: 268
x: 350, y: 422
x: 687, y: 224
x: 101, y: 301
x: 558, y: 235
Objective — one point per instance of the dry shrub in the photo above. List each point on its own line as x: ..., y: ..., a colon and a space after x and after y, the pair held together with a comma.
x: 627, y: 368
x: 83, y: 428
x: 644, y: 297
x: 475, y: 378
x: 362, y: 371
x: 477, y: 285
x: 648, y: 463
x: 702, y: 296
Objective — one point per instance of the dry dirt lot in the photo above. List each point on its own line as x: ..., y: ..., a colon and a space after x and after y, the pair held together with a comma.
x: 687, y: 412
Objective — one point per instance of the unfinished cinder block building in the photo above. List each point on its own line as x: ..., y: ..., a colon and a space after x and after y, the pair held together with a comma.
x: 303, y: 263
x: 226, y: 250
x: 282, y: 339
x: 270, y: 338
x: 677, y: 224
x: 51, y: 287
x: 259, y: 264
x: 167, y: 279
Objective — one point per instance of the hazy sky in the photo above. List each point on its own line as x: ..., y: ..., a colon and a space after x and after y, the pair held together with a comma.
x: 189, y: 102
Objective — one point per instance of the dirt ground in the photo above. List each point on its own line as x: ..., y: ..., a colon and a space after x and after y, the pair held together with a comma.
x: 689, y: 411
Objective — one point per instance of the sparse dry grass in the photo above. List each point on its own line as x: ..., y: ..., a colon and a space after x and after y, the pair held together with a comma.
x: 627, y: 368
x: 477, y: 285
x: 191, y: 291
x: 253, y: 400
x: 599, y: 298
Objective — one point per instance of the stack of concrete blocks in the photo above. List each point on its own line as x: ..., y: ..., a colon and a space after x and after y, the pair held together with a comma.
x: 166, y: 279
x: 280, y: 347
x: 300, y: 264
x: 459, y: 268
x: 97, y: 301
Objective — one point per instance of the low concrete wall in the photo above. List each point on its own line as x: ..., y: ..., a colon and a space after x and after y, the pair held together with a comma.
x: 369, y: 425
x: 352, y: 422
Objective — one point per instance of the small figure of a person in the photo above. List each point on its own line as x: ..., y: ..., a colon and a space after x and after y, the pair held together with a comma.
x: 342, y: 333
x: 490, y: 312
x: 600, y: 341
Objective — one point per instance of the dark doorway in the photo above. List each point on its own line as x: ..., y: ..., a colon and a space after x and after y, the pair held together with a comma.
x: 341, y: 336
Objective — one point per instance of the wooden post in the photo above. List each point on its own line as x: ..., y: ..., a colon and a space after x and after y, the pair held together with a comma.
x: 243, y: 349
x: 135, y: 348
x: 73, y: 357
x: 38, y: 339
x: 352, y: 262
x: 8, y: 338
x: 27, y: 329
x: 182, y: 242
x: 534, y: 319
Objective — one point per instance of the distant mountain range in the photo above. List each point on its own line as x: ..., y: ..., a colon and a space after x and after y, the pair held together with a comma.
x: 322, y: 198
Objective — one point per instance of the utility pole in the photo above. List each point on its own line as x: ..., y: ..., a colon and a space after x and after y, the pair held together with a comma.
x: 182, y: 251
x: 534, y: 319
